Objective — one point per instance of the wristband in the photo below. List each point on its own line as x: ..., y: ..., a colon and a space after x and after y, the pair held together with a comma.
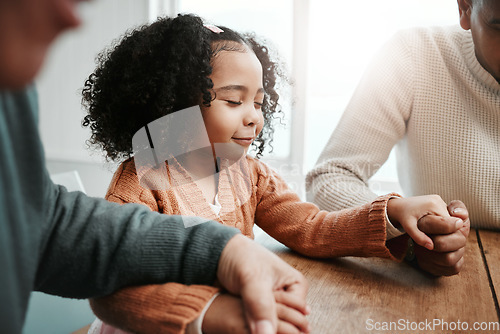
x: 195, y: 326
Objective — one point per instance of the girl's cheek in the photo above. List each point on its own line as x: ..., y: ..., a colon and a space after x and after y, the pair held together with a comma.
x: 259, y: 128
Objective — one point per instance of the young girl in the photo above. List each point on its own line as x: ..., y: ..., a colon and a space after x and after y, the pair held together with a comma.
x: 146, y: 87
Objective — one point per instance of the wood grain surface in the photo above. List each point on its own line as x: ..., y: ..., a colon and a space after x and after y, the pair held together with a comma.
x: 358, y: 295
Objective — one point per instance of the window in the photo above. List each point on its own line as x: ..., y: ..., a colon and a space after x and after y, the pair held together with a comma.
x: 327, y: 45
x: 343, y: 38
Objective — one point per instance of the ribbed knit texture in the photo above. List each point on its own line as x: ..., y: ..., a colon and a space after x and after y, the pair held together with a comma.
x: 248, y: 192
x: 71, y: 245
x: 427, y: 93
x: 166, y: 308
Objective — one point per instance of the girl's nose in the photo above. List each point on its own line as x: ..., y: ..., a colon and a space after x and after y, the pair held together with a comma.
x: 252, y: 116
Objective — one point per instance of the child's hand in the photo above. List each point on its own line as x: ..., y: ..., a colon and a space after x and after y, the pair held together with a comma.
x: 226, y: 315
x: 291, y: 313
x: 408, y: 211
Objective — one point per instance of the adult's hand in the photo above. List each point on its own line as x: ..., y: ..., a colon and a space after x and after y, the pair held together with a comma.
x: 253, y: 272
x: 447, y: 256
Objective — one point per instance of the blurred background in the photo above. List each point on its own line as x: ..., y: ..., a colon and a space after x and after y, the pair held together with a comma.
x: 326, y: 45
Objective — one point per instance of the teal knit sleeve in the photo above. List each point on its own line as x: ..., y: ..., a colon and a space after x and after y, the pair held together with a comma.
x: 92, y: 247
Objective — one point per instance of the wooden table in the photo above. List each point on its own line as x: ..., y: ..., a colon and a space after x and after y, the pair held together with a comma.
x: 370, y: 295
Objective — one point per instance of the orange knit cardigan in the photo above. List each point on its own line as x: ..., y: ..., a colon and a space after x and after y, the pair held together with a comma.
x: 250, y: 193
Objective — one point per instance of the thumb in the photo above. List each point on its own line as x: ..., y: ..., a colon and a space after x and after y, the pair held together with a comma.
x: 260, y: 307
x: 458, y: 209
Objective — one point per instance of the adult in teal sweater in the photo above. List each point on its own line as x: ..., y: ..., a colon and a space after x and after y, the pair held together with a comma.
x: 68, y: 244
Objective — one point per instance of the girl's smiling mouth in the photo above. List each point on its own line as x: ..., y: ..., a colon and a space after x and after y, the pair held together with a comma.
x: 244, y: 141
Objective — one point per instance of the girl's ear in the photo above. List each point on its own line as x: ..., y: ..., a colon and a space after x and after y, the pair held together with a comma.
x: 465, y: 10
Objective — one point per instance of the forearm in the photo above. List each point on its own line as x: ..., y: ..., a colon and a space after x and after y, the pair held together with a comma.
x: 166, y: 308
x: 358, y: 231
x: 333, y: 186
x: 103, y: 246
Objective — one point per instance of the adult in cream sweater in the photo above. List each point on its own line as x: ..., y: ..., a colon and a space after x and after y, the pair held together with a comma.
x: 435, y: 94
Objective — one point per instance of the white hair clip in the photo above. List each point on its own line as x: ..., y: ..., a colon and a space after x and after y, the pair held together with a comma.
x: 213, y: 28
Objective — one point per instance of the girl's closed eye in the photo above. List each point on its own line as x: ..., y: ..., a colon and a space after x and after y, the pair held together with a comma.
x: 234, y: 102
x: 259, y: 104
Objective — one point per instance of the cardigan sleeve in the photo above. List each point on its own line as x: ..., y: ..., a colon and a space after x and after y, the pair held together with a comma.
x: 358, y: 231
x: 125, y: 188
x: 164, y: 308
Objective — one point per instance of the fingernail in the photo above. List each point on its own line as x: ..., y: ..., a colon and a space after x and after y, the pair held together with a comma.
x: 459, y: 223
x: 458, y: 210
x: 264, y: 327
x: 428, y: 246
x: 308, y: 309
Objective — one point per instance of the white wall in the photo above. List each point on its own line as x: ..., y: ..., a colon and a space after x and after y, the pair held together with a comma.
x: 69, y: 63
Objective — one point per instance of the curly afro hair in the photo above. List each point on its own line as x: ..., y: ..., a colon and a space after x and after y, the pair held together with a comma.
x: 161, y: 68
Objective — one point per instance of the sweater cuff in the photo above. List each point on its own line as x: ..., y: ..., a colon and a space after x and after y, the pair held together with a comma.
x: 394, y: 248
x: 195, y: 327
x: 188, y: 306
x: 150, y: 309
x: 391, y: 231
x: 396, y: 240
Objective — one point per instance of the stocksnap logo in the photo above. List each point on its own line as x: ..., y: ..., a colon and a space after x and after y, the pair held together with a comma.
x: 174, y: 154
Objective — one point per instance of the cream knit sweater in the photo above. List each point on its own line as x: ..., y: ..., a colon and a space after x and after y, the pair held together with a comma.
x: 427, y: 94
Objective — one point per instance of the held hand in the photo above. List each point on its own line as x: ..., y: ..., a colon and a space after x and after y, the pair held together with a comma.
x: 408, y: 211
x: 291, y: 314
x: 226, y: 315
x: 248, y: 269
x: 446, y: 258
